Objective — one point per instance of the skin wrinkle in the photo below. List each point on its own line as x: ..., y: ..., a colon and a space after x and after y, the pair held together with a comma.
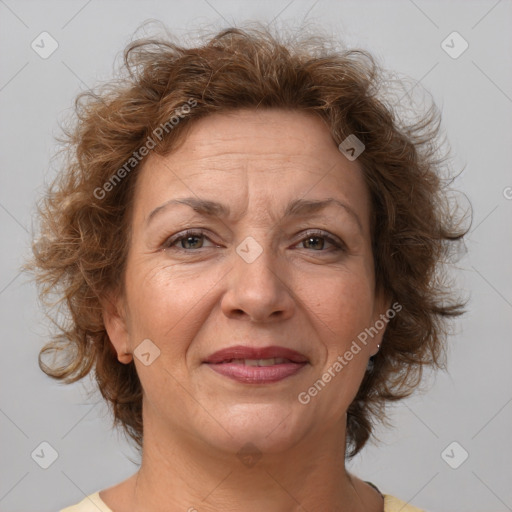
x: 218, y: 211
x: 195, y: 421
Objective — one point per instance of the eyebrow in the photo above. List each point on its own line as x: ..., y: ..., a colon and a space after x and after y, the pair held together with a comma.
x: 296, y: 207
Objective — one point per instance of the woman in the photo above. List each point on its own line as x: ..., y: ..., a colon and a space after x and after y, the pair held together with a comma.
x: 248, y: 243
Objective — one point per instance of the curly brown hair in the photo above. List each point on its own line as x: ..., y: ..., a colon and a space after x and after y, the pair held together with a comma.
x: 81, y: 252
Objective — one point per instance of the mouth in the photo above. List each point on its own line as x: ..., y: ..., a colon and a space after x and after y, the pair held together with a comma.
x: 257, y: 365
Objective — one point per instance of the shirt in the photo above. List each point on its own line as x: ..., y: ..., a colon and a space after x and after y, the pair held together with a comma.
x: 93, y: 503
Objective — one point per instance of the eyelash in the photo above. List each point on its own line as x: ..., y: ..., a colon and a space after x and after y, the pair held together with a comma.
x: 168, y: 244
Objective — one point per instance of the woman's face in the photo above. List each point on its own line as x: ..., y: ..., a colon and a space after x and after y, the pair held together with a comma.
x: 264, y: 265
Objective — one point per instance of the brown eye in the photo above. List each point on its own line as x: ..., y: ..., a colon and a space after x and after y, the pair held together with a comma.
x: 193, y: 242
x: 187, y: 241
x: 316, y: 242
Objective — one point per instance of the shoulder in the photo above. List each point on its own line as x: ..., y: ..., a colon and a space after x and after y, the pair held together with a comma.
x: 392, y: 504
x: 91, y: 503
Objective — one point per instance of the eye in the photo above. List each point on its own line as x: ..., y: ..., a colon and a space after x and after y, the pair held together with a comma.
x: 189, y: 240
x: 316, y: 241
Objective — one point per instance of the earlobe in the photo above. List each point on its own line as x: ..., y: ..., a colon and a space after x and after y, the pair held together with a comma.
x: 114, y: 319
x: 125, y: 358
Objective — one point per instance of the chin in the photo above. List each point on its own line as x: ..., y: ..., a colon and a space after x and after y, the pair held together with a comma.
x: 270, y: 428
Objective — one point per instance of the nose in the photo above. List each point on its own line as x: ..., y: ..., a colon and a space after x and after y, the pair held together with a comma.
x: 259, y: 290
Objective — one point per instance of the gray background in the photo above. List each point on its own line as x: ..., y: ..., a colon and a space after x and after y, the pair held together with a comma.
x: 471, y: 404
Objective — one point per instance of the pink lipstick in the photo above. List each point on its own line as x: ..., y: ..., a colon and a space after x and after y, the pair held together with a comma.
x: 256, y: 365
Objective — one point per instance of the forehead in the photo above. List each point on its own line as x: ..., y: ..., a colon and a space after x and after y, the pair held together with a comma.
x: 262, y: 157
x: 269, y: 134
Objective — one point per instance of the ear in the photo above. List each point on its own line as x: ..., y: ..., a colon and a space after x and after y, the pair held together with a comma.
x: 114, y: 318
x: 382, y: 314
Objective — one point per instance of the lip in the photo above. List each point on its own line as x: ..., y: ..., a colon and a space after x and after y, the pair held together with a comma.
x: 222, y: 363
x: 243, y: 352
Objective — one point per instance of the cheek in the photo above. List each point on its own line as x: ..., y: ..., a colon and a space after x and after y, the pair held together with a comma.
x: 343, y: 309
x: 165, y: 304
x: 165, y: 308
x: 341, y: 305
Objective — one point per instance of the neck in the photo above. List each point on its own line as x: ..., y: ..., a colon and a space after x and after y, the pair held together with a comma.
x: 179, y: 473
